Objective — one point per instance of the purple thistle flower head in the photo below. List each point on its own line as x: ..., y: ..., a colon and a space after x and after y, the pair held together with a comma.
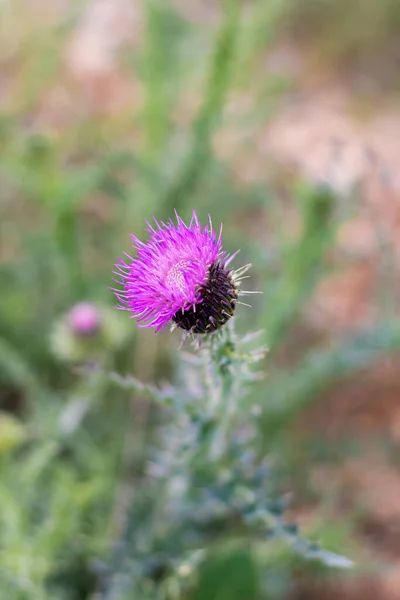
x: 84, y: 319
x: 181, y: 275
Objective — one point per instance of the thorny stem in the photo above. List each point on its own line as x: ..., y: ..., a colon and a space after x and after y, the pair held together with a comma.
x: 191, y: 465
x: 221, y: 358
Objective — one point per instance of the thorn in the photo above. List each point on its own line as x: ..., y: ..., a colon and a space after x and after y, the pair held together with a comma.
x: 183, y: 340
x: 230, y: 259
x: 241, y: 278
x: 248, y: 292
x: 242, y: 270
x: 220, y: 234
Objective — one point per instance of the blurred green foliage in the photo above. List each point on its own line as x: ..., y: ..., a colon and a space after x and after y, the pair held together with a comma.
x: 72, y: 451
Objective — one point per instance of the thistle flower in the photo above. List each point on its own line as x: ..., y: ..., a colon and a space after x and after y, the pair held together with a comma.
x: 84, y: 319
x: 87, y: 332
x: 181, y: 275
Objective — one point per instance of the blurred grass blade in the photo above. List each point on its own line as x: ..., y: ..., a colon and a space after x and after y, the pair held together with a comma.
x: 303, y: 262
x: 218, y: 83
x: 289, y: 392
x: 15, y: 370
x: 165, y: 30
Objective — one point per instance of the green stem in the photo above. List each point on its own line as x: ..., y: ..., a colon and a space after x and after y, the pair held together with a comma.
x: 210, y: 112
x: 221, y: 356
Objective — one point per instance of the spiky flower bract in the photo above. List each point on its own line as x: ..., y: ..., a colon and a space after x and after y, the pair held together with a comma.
x: 180, y: 275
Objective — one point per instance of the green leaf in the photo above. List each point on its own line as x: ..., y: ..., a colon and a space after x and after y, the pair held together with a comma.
x: 230, y: 577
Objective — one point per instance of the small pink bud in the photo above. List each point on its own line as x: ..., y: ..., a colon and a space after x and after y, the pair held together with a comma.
x: 84, y: 319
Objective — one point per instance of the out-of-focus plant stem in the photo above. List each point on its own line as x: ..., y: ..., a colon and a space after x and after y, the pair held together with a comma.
x: 302, y: 263
x: 218, y: 83
x: 288, y: 393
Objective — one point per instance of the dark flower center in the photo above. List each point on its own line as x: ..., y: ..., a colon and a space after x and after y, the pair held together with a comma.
x: 219, y: 295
